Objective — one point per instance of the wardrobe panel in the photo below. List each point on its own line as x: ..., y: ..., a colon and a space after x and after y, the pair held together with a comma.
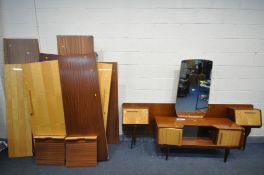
x: 112, y: 129
x: 43, y: 83
x: 18, y: 51
x: 81, y: 99
x: 17, y: 112
x: 75, y: 44
x: 105, y: 74
x: 47, y: 57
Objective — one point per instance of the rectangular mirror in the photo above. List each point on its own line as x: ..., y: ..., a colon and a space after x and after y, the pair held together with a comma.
x: 193, y: 88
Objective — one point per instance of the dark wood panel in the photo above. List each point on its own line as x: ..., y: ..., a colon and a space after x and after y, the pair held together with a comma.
x: 81, y: 99
x: 50, y: 151
x: 81, y: 153
x: 47, y: 57
x: 221, y: 110
x: 19, y: 51
x: 112, y: 128
x: 75, y: 44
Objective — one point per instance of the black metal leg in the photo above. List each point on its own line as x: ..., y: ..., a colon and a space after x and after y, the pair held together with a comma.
x: 167, y: 151
x: 247, y: 132
x: 227, y: 151
x: 133, y: 136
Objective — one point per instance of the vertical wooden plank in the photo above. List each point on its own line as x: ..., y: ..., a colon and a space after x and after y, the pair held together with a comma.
x: 75, y: 44
x: 105, y: 73
x: 19, y: 51
x: 81, y: 99
x: 43, y: 83
x: 112, y: 129
x: 17, y: 107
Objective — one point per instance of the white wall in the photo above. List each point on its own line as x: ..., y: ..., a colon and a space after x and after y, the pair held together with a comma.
x: 149, y: 38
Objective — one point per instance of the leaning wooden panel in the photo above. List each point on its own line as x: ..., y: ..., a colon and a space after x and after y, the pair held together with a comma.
x: 74, y: 44
x: 17, y: 112
x: 81, y: 99
x: 43, y: 83
x: 105, y: 73
x: 18, y: 51
x: 112, y: 129
x: 47, y: 57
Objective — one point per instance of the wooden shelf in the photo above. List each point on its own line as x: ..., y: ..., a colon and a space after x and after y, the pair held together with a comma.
x: 198, y: 141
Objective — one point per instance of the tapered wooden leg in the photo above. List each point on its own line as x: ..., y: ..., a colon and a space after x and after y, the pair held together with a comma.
x: 227, y: 151
x: 167, y: 151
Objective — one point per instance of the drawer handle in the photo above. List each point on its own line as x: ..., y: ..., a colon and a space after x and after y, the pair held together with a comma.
x: 131, y: 111
x: 250, y: 112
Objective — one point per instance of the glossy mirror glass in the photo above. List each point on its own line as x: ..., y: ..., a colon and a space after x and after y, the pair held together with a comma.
x: 193, y: 87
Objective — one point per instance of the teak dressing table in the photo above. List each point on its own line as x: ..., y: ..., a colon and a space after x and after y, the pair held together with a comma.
x: 223, y: 133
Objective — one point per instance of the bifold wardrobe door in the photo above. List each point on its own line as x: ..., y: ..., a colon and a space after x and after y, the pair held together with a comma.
x: 17, y: 112
x: 105, y: 74
x: 75, y: 44
x: 81, y: 99
x: 19, y: 51
x: 43, y: 83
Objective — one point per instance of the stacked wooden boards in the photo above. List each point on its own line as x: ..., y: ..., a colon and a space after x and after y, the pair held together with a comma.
x: 42, y: 88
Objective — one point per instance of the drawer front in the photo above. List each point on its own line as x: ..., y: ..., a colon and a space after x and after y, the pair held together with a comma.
x: 248, y: 117
x: 135, y: 116
x: 169, y: 136
x: 81, y: 153
x: 229, y: 138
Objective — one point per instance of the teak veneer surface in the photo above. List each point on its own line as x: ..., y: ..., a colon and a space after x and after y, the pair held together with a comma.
x: 17, y: 112
x: 19, y: 51
x: 112, y: 128
x: 172, y: 122
x: 75, y: 44
x: 48, y: 57
x: 81, y: 99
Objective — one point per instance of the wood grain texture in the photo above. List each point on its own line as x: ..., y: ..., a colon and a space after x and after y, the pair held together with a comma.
x: 81, y: 153
x: 81, y: 99
x: 74, y: 44
x: 229, y: 138
x: 135, y: 116
x: 221, y: 110
x: 105, y: 74
x: 47, y: 57
x: 170, y: 136
x: 43, y: 84
x: 19, y: 51
x: 17, y: 112
x: 50, y: 151
x: 112, y: 129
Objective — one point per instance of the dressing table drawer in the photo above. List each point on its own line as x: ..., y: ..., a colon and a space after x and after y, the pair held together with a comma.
x: 169, y: 136
x: 135, y: 116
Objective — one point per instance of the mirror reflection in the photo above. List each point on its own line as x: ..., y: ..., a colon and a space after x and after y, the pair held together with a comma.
x: 194, y: 86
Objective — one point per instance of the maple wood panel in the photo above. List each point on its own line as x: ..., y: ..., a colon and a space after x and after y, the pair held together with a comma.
x: 75, y: 44
x: 43, y: 84
x: 112, y: 129
x: 105, y: 74
x: 81, y: 99
x: 229, y: 138
x: 17, y: 112
x: 19, y: 51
